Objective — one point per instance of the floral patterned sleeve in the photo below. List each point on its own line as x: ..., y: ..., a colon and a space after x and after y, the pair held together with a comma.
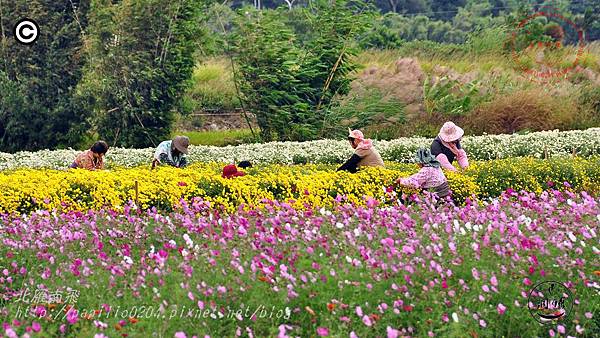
x: 416, y: 181
x: 427, y: 177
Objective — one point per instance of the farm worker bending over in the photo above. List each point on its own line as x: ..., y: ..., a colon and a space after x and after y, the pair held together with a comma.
x: 430, y: 176
x: 365, y: 155
x: 231, y: 171
x: 172, y: 152
x: 245, y: 164
x: 91, y: 159
x: 446, y: 147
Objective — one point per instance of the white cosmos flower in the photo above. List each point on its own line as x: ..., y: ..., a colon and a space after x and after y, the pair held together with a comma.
x: 455, y: 317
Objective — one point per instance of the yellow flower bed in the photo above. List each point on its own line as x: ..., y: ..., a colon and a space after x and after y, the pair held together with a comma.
x: 315, y: 185
x: 26, y: 190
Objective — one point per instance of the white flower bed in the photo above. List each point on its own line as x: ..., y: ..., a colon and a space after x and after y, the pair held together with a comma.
x: 585, y: 142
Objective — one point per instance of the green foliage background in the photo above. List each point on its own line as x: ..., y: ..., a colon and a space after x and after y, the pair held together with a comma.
x: 122, y: 70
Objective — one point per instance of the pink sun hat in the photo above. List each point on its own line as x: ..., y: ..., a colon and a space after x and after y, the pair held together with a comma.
x: 357, y: 134
x: 450, y: 132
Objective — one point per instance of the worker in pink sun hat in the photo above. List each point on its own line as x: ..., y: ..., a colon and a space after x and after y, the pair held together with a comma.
x: 365, y: 154
x: 446, y: 147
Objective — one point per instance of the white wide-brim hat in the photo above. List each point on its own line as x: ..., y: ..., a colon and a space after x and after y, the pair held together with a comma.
x: 450, y: 132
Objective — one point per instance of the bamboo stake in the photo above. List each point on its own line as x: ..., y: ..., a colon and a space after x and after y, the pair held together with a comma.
x: 545, y: 152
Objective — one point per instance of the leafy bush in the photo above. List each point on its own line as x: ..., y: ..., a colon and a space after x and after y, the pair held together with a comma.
x: 139, y: 74
x: 487, y: 41
x: 450, y: 98
x: 38, y: 107
x: 392, y: 28
x: 431, y: 49
x: 289, y: 85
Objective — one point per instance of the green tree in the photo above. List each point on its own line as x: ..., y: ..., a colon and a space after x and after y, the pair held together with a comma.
x: 38, y: 81
x: 288, y: 84
x: 141, y: 59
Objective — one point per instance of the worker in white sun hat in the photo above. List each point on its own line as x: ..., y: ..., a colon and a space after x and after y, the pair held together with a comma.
x: 446, y: 147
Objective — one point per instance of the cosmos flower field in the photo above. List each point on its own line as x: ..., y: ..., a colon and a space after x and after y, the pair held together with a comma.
x: 368, y: 270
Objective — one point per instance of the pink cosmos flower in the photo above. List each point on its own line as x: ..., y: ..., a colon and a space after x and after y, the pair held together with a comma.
x: 72, y: 316
x: 494, y: 281
x: 282, y: 330
x: 323, y: 331
x: 359, y: 311
x: 180, y: 335
x: 367, y: 321
x: 501, y: 308
x: 561, y: 329
x: 475, y: 273
x: 40, y: 311
x: 36, y: 327
x: 482, y: 323
x: 392, y: 333
x: 10, y: 333
x: 388, y: 241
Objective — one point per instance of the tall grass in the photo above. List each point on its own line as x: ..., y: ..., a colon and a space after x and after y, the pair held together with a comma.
x: 213, y: 86
x: 218, y: 137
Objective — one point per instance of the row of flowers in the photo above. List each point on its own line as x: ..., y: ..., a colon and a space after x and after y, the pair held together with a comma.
x: 305, y: 185
x: 357, y: 271
x: 538, y: 144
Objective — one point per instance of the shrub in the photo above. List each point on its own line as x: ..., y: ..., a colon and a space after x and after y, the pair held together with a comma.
x: 38, y: 104
x: 143, y: 54
x: 450, y: 97
x: 290, y: 85
x: 589, y: 99
x: 487, y: 41
x: 529, y: 110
